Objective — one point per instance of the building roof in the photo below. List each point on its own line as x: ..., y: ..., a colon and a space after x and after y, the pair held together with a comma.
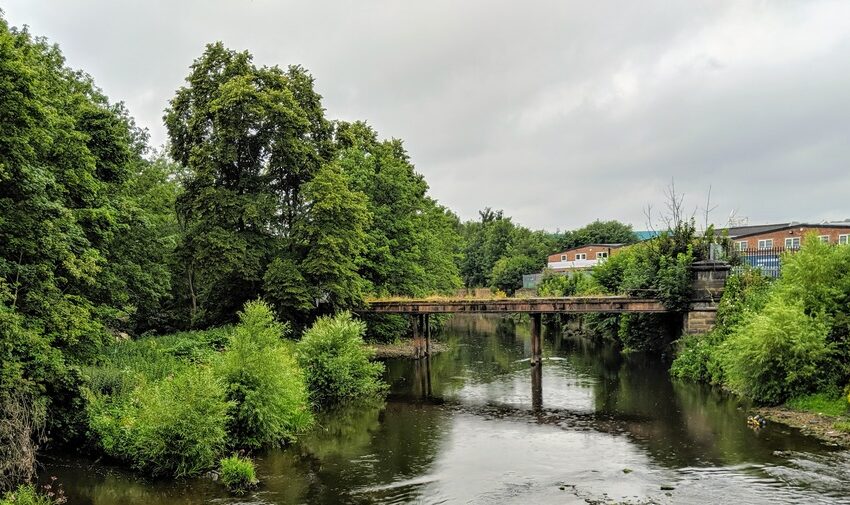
x: 645, y: 234
x: 747, y: 231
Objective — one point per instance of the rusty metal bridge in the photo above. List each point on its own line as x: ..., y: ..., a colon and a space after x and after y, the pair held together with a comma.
x: 535, y: 307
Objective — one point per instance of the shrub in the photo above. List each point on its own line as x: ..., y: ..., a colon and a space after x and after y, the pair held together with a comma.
x: 337, y: 362
x: 265, y: 386
x: 28, y: 495
x: 237, y: 474
x: 575, y: 284
x: 697, y: 356
x: 780, y: 352
x: 174, y: 426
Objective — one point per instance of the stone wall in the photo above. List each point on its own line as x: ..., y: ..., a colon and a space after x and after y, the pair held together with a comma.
x: 709, y: 281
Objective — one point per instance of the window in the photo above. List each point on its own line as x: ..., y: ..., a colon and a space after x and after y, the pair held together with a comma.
x: 581, y: 256
x: 792, y: 243
x: 824, y: 238
x: 742, y: 245
x: 563, y: 257
x: 602, y: 255
x: 844, y: 239
x: 766, y: 243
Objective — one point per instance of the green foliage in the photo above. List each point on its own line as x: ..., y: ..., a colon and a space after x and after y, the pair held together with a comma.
x: 780, y: 352
x: 508, y: 271
x: 336, y: 361
x: 496, y: 238
x: 265, y: 387
x: 84, y: 224
x: 597, y: 232
x: 237, y: 474
x: 174, y: 426
x: 573, y: 284
x: 413, y: 242
x: 830, y: 404
x: 334, y: 238
x: 778, y: 340
x: 281, y: 203
x: 697, y: 356
x: 27, y: 494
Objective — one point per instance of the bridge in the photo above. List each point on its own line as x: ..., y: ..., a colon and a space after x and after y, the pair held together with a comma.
x: 536, y: 307
x: 709, y: 279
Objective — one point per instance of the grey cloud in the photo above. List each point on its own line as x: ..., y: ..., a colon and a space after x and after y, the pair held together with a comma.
x: 557, y: 112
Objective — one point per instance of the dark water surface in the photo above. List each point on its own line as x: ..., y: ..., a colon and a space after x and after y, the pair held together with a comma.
x: 474, y: 425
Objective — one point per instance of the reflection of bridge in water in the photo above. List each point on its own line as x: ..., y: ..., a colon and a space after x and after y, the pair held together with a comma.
x: 420, y: 311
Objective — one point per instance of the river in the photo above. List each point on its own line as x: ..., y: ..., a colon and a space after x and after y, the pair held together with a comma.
x: 475, y: 425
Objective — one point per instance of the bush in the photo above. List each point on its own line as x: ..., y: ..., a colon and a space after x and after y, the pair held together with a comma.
x: 780, y: 352
x: 697, y: 356
x: 29, y: 495
x: 237, y: 474
x: 174, y: 426
x: 337, y: 362
x: 265, y: 386
x: 575, y: 284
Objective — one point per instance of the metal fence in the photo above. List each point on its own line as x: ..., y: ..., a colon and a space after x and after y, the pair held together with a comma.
x: 768, y: 260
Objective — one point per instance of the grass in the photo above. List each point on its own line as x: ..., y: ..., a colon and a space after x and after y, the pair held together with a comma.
x: 820, y: 403
x: 842, y: 426
x: 237, y: 474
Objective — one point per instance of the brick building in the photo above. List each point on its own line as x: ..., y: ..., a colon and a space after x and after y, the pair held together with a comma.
x: 787, y: 235
x: 579, y: 258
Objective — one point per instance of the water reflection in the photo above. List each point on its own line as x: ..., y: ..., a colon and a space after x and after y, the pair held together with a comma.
x: 478, y: 424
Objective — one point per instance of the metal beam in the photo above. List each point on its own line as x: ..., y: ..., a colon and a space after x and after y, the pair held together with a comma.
x: 578, y: 305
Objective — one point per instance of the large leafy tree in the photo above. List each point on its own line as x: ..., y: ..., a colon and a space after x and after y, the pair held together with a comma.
x: 334, y: 237
x: 251, y: 137
x: 412, y: 242
x: 83, y: 222
x: 493, y: 238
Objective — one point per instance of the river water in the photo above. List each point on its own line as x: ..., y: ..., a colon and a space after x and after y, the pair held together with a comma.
x: 475, y: 424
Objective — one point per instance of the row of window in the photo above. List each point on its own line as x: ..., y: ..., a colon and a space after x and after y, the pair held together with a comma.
x: 583, y: 256
x: 791, y: 242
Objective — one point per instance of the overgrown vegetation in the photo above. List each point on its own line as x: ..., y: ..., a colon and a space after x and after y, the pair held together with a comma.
x: 336, y: 361
x: 237, y: 474
x: 27, y: 494
x: 782, y: 340
x: 102, y: 241
x: 264, y: 384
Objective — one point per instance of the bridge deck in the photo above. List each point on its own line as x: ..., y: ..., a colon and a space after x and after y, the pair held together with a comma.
x: 578, y: 305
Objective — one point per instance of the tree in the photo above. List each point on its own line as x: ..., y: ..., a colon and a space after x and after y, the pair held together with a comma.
x: 508, y: 271
x: 597, y: 232
x: 251, y: 138
x: 82, y: 231
x: 334, y: 238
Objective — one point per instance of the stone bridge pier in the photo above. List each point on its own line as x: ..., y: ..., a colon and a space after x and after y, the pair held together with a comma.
x: 709, y: 281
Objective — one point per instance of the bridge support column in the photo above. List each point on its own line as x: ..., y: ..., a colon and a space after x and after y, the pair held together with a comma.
x: 535, y: 339
x: 416, y: 322
x: 427, y: 323
x: 709, y: 281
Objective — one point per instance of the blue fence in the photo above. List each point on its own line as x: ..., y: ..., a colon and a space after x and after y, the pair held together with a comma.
x: 768, y: 261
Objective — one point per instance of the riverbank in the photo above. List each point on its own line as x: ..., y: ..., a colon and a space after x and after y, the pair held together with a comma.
x: 403, y: 348
x: 834, y: 430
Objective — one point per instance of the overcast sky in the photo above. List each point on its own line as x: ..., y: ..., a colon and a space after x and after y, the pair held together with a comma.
x: 557, y: 112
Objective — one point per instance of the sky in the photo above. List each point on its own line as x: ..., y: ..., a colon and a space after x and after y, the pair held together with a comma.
x: 557, y: 112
